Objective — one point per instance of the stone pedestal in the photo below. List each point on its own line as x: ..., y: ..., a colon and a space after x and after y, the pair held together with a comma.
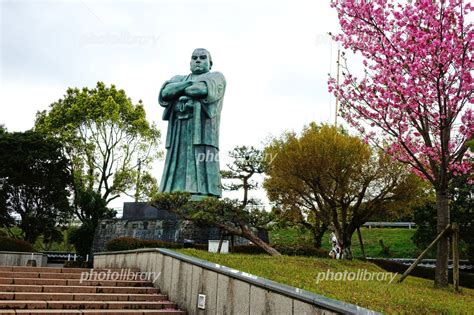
x: 143, y: 221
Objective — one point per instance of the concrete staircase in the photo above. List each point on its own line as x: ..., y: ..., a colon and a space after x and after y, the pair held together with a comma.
x: 44, y: 290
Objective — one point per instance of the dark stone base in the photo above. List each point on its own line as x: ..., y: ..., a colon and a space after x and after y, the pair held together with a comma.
x: 143, y: 221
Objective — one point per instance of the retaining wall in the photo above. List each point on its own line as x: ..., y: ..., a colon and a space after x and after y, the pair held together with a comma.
x: 228, y: 291
x: 21, y: 258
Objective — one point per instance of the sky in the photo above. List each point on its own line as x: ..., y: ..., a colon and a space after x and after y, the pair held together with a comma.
x: 275, y: 55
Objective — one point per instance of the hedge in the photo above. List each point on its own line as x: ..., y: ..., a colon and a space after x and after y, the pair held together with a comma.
x: 14, y: 245
x: 466, y: 279
x: 289, y: 250
x: 201, y: 246
x: 301, y: 250
x: 128, y: 243
x: 78, y: 264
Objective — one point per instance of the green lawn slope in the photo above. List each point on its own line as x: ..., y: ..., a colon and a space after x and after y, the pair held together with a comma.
x: 413, y: 296
x: 398, y: 240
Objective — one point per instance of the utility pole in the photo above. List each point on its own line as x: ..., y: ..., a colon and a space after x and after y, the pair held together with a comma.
x: 337, y: 80
x: 137, y: 187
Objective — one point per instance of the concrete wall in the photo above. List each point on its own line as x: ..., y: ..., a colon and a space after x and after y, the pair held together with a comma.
x: 228, y: 291
x: 21, y: 258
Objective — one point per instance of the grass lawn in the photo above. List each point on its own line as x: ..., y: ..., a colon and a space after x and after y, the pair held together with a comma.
x: 413, y: 296
x: 399, y: 241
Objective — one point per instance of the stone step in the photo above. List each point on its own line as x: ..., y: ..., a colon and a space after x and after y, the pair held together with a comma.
x: 51, y: 290
x: 48, y: 296
x: 48, y: 275
x: 38, y: 304
x: 61, y: 270
x: 94, y: 312
x: 96, y: 275
x: 75, y: 282
x: 77, y: 289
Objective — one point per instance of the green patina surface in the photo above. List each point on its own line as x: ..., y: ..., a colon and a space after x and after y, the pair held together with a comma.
x: 192, y: 106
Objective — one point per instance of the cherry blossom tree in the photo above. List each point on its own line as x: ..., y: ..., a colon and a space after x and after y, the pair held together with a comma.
x: 416, y: 94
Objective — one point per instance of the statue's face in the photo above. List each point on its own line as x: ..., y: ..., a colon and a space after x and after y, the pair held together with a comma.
x: 200, y: 62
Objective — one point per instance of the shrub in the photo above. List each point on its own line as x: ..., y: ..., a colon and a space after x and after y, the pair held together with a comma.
x: 128, y: 243
x: 78, y: 264
x: 157, y: 243
x: 301, y: 250
x: 201, y: 246
x: 470, y: 253
x: 82, y: 238
x: 123, y: 243
x: 247, y: 249
x: 14, y: 245
x: 289, y: 250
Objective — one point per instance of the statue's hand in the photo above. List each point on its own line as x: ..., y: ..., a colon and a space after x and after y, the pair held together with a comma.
x: 189, y: 105
x: 196, y: 90
x: 173, y: 90
x: 185, y: 103
x: 183, y: 99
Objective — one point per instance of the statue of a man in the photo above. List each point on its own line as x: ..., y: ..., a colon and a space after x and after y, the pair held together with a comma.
x: 193, y: 105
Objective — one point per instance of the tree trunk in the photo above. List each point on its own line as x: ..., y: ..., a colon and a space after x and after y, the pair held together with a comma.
x: 442, y: 254
x: 361, y: 242
x: 29, y: 234
x: 221, y: 240
x: 248, y: 234
x: 232, y: 243
x: 347, y: 246
x: 257, y: 241
x: 318, y: 234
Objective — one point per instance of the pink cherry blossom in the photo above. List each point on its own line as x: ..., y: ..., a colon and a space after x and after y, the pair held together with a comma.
x: 419, y: 91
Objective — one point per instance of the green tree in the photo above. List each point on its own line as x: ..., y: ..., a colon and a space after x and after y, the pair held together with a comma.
x: 92, y: 208
x: 6, y: 214
x: 293, y: 205
x: 34, y: 184
x: 246, y: 163
x: 329, y: 178
x: 106, y: 137
x: 6, y: 218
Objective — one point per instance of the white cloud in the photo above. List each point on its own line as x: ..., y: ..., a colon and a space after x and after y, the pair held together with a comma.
x: 275, y: 56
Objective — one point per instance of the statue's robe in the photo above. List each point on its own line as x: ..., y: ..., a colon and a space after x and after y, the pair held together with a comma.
x: 192, y: 140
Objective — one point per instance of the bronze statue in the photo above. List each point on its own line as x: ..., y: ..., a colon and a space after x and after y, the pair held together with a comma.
x: 193, y: 105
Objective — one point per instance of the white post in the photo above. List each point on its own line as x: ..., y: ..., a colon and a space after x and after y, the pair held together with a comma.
x: 87, y: 258
x: 74, y: 257
x: 68, y: 257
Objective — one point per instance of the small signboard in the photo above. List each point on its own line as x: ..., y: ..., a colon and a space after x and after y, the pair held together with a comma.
x: 214, y: 245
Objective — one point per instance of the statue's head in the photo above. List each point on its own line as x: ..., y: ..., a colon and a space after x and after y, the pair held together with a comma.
x: 201, y: 61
